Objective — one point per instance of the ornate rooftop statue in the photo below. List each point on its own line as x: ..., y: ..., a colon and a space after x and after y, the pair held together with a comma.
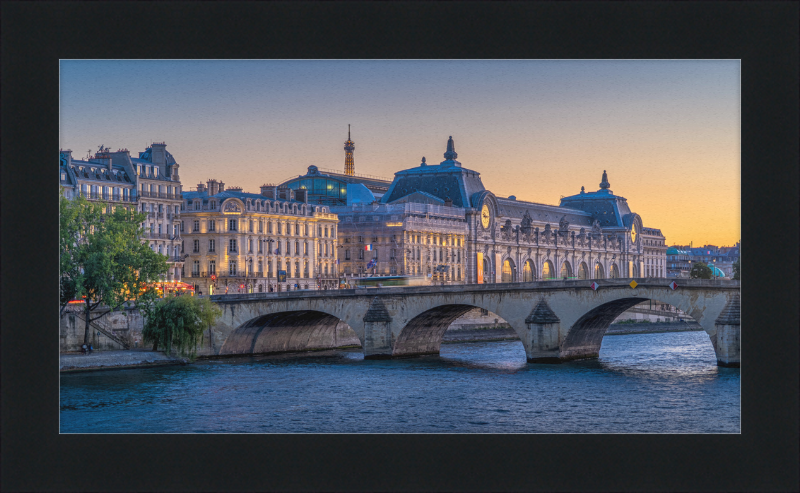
x: 604, y: 184
x: 451, y: 150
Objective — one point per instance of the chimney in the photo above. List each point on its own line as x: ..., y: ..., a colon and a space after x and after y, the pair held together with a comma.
x: 268, y: 191
x: 201, y: 187
x: 212, y: 187
x: 159, y: 153
x: 448, y: 202
x: 221, y: 187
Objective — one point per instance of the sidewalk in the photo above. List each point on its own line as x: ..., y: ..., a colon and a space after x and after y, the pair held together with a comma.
x: 104, y: 360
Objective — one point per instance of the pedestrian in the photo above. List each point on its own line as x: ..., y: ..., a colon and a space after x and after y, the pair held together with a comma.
x: 90, y: 349
x: 84, y: 348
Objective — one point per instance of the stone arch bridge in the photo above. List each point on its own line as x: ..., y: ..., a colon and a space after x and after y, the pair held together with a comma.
x: 556, y: 320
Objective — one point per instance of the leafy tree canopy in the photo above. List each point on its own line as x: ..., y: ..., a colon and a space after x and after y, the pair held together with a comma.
x: 737, y: 266
x: 701, y: 270
x: 103, y: 256
x: 178, y: 323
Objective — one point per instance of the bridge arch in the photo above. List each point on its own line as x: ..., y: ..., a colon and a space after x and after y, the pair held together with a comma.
x: 423, y: 333
x: 288, y: 331
x: 584, y: 334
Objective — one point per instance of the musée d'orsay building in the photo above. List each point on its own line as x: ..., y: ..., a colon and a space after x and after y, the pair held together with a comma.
x: 440, y: 222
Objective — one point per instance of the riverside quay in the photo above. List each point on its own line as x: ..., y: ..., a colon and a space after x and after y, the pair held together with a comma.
x: 556, y: 320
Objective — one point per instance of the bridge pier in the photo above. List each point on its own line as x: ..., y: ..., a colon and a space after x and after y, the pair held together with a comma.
x: 727, y: 344
x: 544, y: 332
x: 378, y: 341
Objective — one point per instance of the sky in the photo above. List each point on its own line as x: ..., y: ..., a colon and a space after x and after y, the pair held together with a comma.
x: 666, y: 131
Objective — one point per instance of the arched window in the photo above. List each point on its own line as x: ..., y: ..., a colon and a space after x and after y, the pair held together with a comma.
x: 583, y: 271
x: 598, y: 271
x: 508, y: 271
x: 528, y: 272
x: 486, y: 271
x: 614, y: 271
x: 547, y: 270
x: 566, y: 270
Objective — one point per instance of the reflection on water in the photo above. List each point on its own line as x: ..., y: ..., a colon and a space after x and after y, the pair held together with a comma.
x: 642, y: 383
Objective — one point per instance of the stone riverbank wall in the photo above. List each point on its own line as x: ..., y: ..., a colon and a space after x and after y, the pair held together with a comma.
x: 125, y: 325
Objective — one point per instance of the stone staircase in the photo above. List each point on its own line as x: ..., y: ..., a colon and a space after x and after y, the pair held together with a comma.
x: 106, y: 332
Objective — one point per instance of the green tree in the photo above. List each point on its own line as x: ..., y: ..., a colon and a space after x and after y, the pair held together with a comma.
x: 737, y: 269
x: 178, y: 322
x: 103, y: 257
x: 701, y: 270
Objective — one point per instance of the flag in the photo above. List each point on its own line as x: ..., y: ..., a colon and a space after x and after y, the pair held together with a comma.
x: 368, y: 248
x: 277, y: 251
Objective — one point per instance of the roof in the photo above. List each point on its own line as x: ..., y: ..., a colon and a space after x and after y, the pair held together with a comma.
x: 447, y: 179
x: 227, y: 194
x: 374, y: 184
x: 609, y: 209
x: 674, y: 251
x: 119, y: 174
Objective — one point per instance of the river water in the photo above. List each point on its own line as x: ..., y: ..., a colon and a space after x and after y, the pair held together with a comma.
x: 642, y: 383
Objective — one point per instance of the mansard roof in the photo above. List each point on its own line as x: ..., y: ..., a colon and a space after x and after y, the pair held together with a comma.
x: 147, y: 156
x: 120, y: 173
x: 609, y: 209
x: 446, y: 180
x: 512, y: 208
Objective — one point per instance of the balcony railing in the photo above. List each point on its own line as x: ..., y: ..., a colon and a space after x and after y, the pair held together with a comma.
x: 107, y: 197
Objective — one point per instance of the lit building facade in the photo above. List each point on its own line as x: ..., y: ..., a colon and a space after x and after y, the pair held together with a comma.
x: 149, y: 183
x: 237, y: 242
x: 439, y: 221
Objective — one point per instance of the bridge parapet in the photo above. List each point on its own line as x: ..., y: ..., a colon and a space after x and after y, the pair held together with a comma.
x: 556, y: 320
x: 554, y: 285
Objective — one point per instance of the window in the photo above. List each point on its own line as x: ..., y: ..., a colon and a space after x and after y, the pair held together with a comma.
x: 232, y: 246
x: 155, y: 171
x: 260, y: 247
x: 212, y: 225
x: 197, y: 206
x: 196, y: 268
x: 159, y: 229
x: 181, y: 226
x: 175, y: 230
x: 211, y: 246
x: 361, y: 239
x: 251, y: 226
x: 196, y: 246
x: 361, y: 254
x: 260, y: 226
x: 279, y: 228
x: 296, y: 229
x: 232, y: 268
x: 305, y: 248
x: 212, y: 267
x: 297, y: 248
x: 319, y: 231
x: 269, y: 227
x: 347, y: 254
x: 196, y: 227
x: 231, y: 224
x: 250, y: 245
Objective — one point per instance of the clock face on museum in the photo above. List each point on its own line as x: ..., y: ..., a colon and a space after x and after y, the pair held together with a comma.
x: 485, y: 216
x: 633, y: 233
